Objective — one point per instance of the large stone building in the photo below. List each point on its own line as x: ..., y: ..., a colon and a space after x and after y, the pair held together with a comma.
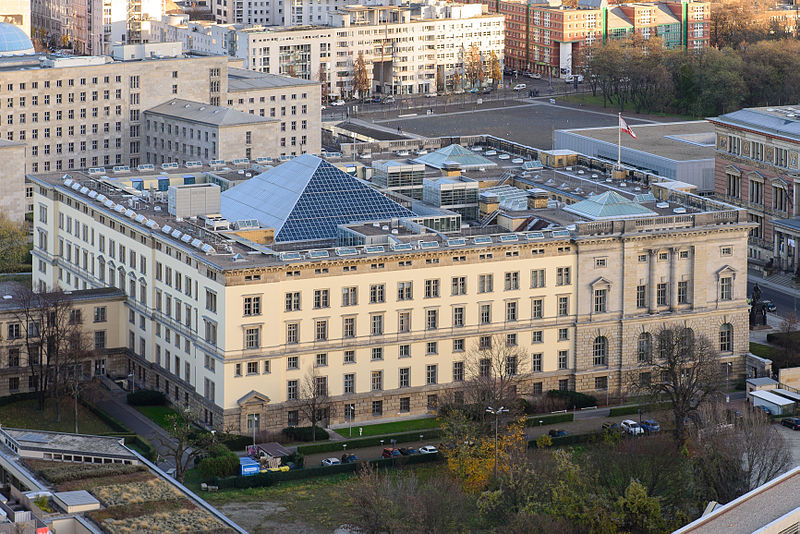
x: 552, y: 38
x: 80, y: 112
x: 235, y: 303
x: 757, y: 167
x: 404, y: 50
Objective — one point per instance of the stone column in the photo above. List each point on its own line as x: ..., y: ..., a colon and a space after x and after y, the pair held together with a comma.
x: 673, y: 279
x: 651, y: 281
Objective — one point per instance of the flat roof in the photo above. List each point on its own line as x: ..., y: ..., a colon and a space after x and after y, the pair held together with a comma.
x: 752, y: 510
x: 206, y: 113
x: 246, y: 80
x: 679, y: 141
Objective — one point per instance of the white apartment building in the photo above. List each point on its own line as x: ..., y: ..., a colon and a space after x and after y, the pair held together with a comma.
x: 232, y: 304
x: 403, y: 48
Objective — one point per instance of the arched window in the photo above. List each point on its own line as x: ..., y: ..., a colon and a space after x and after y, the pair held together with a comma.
x: 726, y: 338
x: 600, y: 350
x: 645, y: 347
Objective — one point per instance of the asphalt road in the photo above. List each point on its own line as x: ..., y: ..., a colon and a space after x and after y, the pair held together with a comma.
x: 784, y: 302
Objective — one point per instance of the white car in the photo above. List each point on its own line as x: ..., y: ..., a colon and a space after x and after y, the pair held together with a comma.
x: 338, y: 103
x: 503, y: 156
x: 327, y: 462
x: 428, y: 449
x: 631, y: 427
x: 520, y: 87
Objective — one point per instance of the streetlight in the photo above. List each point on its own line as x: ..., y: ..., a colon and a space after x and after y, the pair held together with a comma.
x: 496, y: 414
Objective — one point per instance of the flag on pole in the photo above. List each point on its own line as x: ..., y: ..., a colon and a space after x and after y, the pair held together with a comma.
x: 623, y: 126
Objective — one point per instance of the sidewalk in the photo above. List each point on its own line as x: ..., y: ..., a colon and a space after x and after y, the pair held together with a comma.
x: 112, y: 401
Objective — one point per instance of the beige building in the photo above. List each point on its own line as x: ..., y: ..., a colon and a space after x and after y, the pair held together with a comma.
x: 181, y: 130
x: 99, y: 312
x: 245, y: 300
x: 403, y: 49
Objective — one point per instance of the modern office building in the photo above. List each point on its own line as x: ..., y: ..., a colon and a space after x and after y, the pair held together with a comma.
x: 80, y: 112
x: 404, y: 50
x: 304, y: 270
x: 757, y: 168
x: 552, y: 38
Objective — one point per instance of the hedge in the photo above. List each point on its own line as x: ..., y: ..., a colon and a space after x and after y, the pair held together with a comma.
x: 550, y: 419
x: 303, y: 433
x: 574, y: 398
x: 634, y: 409
x: 372, y: 441
x: 147, y: 397
x: 273, y: 477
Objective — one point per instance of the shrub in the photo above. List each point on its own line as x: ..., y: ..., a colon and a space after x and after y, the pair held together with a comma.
x: 303, y: 433
x: 146, y: 397
x: 573, y: 398
x: 224, y: 465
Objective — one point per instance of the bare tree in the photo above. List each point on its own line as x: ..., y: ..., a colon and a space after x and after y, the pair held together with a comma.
x: 360, y: 76
x: 49, y: 325
x: 186, y: 442
x: 312, y: 400
x: 737, y: 452
x: 493, y: 369
x: 683, y: 369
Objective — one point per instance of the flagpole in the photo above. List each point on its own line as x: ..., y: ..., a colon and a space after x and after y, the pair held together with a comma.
x: 619, y: 141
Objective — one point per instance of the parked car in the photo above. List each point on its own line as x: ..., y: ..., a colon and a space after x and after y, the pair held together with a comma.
x: 389, y: 453
x: 609, y: 426
x: 651, y: 426
x: 338, y: 103
x: 631, y: 427
x: 349, y: 458
x: 791, y: 422
x: 428, y: 449
x: 327, y: 462
x: 557, y: 433
x: 770, y: 306
x: 520, y: 87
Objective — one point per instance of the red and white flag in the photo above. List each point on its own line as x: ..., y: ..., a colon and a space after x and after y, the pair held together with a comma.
x: 623, y: 126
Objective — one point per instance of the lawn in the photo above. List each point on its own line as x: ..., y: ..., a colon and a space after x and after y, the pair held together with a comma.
x: 390, y: 428
x: 158, y: 414
x: 25, y: 414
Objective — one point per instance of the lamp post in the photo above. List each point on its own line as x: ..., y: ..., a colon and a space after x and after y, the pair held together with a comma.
x: 496, y: 414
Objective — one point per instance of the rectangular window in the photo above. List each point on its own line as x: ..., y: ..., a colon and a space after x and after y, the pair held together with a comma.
x: 511, y: 281
x: 377, y: 293
x: 661, y: 294
x: 537, y: 278
x: 562, y: 359
x: 562, y: 276
x: 459, y: 285
x: 321, y: 298
x: 563, y: 306
x: 683, y: 292
x: 726, y: 288
x: 600, y: 300
x: 431, y: 374
x: 376, y: 381
x: 485, y: 283
x: 536, y: 362
x: 349, y: 296
x: 405, y: 377
x: 458, y: 371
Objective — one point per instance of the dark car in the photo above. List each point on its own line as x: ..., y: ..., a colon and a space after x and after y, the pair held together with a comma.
x: 390, y: 453
x: 651, y: 426
x: 611, y: 427
x: 557, y: 433
x: 791, y: 422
